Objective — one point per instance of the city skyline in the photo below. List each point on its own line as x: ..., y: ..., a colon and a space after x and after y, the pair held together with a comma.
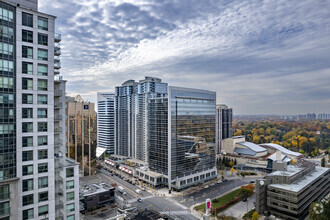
x: 260, y: 57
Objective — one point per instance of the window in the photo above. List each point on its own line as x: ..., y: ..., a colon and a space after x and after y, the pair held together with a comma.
x: 42, y: 154
x: 42, y: 54
x: 42, y: 140
x: 42, y: 84
x: 27, y: 98
x: 70, y: 196
x: 43, y: 196
x: 28, y: 200
x: 6, y: 113
x: 27, y: 113
x: 6, y: 15
x: 70, y: 184
x: 27, y: 83
x: 70, y: 207
x: 6, y: 65
x: 42, y: 70
x: 7, y: 98
x: 42, y: 99
x: 27, y: 52
x: 27, y: 185
x: 27, y: 19
x: 27, y: 36
x: 4, y: 192
x: 42, y: 23
x: 43, y: 210
x: 202, y: 176
x: 6, y: 82
x: 70, y: 172
x: 71, y: 217
x: 27, y: 155
x: 27, y: 141
x: 27, y: 170
x: 27, y: 127
x: 42, y: 126
x: 4, y: 208
x: 43, y: 182
x: 43, y: 168
x: 42, y: 39
x: 6, y: 32
x: 6, y: 129
x: 42, y: 113
x: 28, y: 214
x: 27, y: 68
x: 6, y: 48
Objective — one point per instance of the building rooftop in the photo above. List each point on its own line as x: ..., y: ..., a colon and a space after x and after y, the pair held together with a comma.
x: 291, y: 171
x: 282, y: 149
x: 302, y: 182
x: 252, y: 146
x: 95, y: 188
x: 244, y: 151
x: 284, y: 158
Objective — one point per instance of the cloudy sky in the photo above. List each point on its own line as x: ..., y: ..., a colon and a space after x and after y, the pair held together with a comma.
x: 261, y: 57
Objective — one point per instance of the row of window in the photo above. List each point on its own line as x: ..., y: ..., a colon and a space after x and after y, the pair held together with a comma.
x: 28, y: 99
x: 27, y: 52
x: 28, y: 113
x: 27, y: 68
x: 28, y: 141
x: 29, y: 213
x: 28, y: 186
x: 27, y: 84
x: 6, y: 14
x: 28, y: 199
x: 27, y: 20
x: 27, y: 36
x: 27, y: 127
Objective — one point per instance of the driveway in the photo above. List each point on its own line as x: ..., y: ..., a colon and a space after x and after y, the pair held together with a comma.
x: 239, y: 209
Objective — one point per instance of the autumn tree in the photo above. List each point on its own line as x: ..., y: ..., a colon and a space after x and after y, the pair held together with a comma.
x: 255, y: 216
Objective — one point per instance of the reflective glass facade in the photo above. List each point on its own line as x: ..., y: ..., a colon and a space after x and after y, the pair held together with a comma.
x: 192, y: 130
x: 7, y: 92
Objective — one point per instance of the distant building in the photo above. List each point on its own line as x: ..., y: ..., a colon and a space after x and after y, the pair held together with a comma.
x: 288, y: 193
x: 81, y: 132
x: 105, y: 123
x: 224, y: 124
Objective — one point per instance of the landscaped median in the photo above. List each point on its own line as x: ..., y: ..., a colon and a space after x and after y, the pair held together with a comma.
x: 227, y: 200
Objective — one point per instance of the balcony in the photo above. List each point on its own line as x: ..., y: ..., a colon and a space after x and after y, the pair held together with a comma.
x: 58, y: 130
x: 57, y: 51
x: 56, y: 71
x: 58, y: 142
x: 58, y: 105
x: 57, y: 59
x: 58, y: 118
x: 57, y: 38
x: 59, y: 205
x: 58, y: 93
x: 57, y: 65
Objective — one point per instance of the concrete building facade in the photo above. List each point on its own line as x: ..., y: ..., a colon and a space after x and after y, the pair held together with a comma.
x: 224, y: 124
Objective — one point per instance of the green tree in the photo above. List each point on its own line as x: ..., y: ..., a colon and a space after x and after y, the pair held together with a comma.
x: 323, y: 162
x: 255, y: 216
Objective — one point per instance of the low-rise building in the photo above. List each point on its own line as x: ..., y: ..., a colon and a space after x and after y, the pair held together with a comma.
x: 288, y: 193
x: 96, y: 195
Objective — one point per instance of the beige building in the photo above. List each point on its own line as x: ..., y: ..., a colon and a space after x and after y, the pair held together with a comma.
x: 288, y: 193
x: 81, y: 123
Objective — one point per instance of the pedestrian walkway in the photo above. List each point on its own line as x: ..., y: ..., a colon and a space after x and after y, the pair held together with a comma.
x: 175, y: 213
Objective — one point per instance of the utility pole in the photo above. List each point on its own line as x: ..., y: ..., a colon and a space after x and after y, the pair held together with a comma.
x: 82, y: 139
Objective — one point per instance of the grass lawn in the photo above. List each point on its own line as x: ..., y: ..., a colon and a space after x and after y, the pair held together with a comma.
x: 221, y: 201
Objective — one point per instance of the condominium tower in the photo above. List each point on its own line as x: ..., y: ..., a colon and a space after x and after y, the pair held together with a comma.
x: 131, y: 100
x: 36, y: 180
x: 105, y: 123
x: 224, y: 124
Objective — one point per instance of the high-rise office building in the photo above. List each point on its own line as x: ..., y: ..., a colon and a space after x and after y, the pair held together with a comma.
x: 36, y: 180
x: 81, y: 134
x: 131, y: 100
x: 224, y: 124
x: 181, y: 136
x: 105, y: 123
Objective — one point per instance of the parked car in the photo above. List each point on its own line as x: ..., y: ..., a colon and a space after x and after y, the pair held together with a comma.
x: 224, y: 180
x: 244, y: 200
x: 219, y: 181
x: 252, y: 181
x: 139, y: 200
x: 212, y: 184
x: 207, y: 186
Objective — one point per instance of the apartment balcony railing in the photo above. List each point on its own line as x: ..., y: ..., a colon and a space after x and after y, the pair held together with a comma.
x: 59, y: 205
x: 58, y: 181
x: 58, y: 93
x: 57, y: 51
x: 57, y: 59
x: 5, y: 211
x: 56, y: 71
x: 58, y: 118
x: 57, y: 64
x: 58, y: 105
x: 5, y: 195
x: 57, y: 38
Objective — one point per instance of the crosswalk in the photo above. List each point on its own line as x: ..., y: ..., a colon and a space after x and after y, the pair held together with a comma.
x: 176, y: 213
x: 143, y: 198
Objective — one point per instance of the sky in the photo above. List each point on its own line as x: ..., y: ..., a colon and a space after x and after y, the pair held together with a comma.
x: 261, y: 57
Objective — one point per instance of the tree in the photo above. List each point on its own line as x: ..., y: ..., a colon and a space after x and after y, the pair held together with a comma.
x: 255, y: 216
x: 238, y: 132
x: 323, y: 162
x: 231, y: 163
x: 232, y: 170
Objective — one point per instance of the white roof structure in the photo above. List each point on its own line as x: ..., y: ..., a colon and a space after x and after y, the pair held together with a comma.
x: 282, y: 149
x: 100, y: 151
x: 302, y: 182
x: 252, y: 146
x: 284, y: 158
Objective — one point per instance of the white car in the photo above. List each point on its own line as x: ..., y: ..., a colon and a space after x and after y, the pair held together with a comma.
x: 207, y: 186
x: 219, y: 181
